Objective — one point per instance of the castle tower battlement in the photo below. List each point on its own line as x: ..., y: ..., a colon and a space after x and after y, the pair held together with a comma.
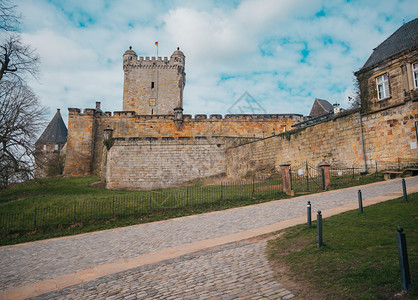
x: 153, y: 86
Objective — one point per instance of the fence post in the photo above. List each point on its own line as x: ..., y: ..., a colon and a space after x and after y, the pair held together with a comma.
x: 150, y: 195
x: 360, y: 201
x: 405, y: 196
x: 253, y: 187
x: 307, y: 176
x: 403, y: 260
x: 286, y: 184
x: 187, y: 196
x: 326, y: 180
x: 319, y: 228
x: 34, y: 220
x: 113, y: 208
x: 309, y: 214
x: 75, y: 206
x: 221, y: 193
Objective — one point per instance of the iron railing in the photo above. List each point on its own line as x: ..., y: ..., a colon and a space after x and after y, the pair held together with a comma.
x: 145, y: 203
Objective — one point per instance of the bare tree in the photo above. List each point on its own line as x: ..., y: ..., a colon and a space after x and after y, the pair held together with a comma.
x: 9, y: 19
x: 17, y: 59
x: 21, y: 118
x: 355, y: 99
x: 21, y: 115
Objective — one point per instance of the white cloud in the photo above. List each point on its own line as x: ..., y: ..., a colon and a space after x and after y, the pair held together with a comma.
x: 257, y: 45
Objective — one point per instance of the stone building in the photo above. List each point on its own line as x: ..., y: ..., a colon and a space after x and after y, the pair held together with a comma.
x: 151, y: 143
x: 50, y: 144
x: 390, y: 75
x: 321, y: 107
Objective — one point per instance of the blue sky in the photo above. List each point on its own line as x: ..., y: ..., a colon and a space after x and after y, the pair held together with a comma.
x: 284, y: 53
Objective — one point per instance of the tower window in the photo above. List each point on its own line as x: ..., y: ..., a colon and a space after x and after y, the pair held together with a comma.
x: 152, y: 84
x: 152, y: 102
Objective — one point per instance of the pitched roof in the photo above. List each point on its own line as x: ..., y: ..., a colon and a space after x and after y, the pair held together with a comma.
x: 402, y: 39
x: 321, y: 107
x: 55, y: 132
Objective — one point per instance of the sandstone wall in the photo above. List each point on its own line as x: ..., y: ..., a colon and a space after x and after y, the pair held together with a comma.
x: 388, y: 134
x: 79, y: 143
x: 129, y: 126
x: 161, y: 163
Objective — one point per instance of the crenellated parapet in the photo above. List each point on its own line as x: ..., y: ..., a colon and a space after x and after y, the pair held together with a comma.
x: 149, y: 63
x: 153, y: 85
x: 213, y: 117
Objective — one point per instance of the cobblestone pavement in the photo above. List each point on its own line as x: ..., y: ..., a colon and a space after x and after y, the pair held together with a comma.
x: 49, y: 259
x: 236, y: 270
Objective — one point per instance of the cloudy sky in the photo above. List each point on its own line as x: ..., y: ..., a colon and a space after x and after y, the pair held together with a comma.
x: 284, y: 53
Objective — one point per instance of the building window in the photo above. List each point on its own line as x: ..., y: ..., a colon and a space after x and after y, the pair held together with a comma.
x: 152, y: 102
x: 415, y: 72
x: 56, y: 146
x: 44, y: 147
x: 382, y: 86
x: 152, y: 84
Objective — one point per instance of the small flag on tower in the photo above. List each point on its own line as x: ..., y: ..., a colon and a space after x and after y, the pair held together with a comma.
x: 156, y: 44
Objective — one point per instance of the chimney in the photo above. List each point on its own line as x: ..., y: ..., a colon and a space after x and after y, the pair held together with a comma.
x: 97, y: 105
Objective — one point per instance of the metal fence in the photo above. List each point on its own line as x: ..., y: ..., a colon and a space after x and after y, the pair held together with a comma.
x: 306, y: 178
x: 145, y: 203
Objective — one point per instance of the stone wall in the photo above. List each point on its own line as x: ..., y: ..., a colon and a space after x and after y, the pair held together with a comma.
x: 79, y: 142
x: 127, y: 125
x: 388, y: 134
x: 162, y: 163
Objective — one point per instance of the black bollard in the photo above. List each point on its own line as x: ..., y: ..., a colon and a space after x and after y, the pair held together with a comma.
x: 309, y: 214
x: 360, y: 201
x: 405, y: 197
x: 319, y: 228
x: 403, y: 260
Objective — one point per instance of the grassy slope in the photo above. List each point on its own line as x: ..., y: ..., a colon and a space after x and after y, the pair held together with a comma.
x: 53, y: 192
x: 359, y: 259
x: 63, y: 192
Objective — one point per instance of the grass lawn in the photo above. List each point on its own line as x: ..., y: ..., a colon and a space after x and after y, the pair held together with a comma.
x: 56, y: 199
x: 359, y: 259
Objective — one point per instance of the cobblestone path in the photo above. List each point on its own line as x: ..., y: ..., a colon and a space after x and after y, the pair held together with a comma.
x: 236, y: 270
x: 34, y: 262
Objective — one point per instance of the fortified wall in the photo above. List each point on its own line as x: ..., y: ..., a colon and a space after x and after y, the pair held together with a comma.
x: 156, y: 163
x: 387, y: 134
x: 199, y: 142
x: 152, y: 144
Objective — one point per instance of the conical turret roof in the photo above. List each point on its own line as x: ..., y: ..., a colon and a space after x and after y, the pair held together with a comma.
x: 55, y: 132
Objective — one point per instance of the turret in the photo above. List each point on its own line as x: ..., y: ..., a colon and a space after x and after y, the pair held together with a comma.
x: 129, y: 57
x: 178, y: 57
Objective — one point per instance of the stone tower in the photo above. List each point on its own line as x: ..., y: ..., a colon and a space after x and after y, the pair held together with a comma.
x: 153, y: 86
x: 49, y: 145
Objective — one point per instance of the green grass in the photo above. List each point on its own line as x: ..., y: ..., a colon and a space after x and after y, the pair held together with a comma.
x: 56, y: 199
x: 359, y: 259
